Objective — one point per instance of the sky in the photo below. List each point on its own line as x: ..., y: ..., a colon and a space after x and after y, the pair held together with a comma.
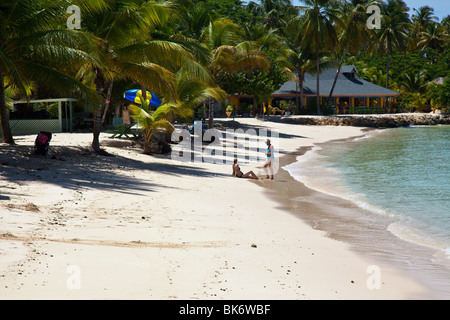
x: 441, y: 7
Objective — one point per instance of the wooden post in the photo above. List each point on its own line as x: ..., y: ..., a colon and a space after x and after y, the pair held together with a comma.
x: 60, y: 116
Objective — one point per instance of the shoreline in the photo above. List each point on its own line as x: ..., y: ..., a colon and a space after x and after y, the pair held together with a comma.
x: 338, y: 218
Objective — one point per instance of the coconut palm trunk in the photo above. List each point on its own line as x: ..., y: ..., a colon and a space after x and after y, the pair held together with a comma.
x: 6, y: 130
x: 108, y: 101
x: 338, y: 71
x: 387, y: 70
x: 211, y: 113
x: 318, y: 77
x: 99, y: 85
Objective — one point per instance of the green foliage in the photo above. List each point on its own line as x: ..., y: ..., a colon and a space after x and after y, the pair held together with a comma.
x: 150, y: 120
x: 440, y: 94
x: 52, y: 110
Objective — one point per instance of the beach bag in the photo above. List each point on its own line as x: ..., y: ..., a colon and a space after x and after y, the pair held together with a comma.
x: 42, y: 143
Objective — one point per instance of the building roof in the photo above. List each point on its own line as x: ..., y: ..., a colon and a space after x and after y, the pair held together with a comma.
x: 439, y: 80
x: 349, y: 84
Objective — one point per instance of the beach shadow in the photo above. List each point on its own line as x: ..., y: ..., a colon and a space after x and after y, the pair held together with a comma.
x: 76, y: 167
x: 237, y: 125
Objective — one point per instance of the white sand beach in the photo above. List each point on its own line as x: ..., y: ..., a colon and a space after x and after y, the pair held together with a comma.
x: 135, y: 226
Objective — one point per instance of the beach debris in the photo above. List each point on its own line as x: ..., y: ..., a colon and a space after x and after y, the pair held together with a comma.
x: 254, y: 245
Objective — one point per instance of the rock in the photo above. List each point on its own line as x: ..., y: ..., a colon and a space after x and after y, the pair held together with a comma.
x: 373, y: 121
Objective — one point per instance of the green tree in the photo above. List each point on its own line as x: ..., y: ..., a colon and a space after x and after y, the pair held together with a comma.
x: 126, y: 51
x: 228, y: 53
x: 420, y: 20
x: 302, y: 60
x: 393, y: 33
x: 34, y: 47
x: 440, y: 94
x: 274, y: 14
x: 318, y: 32
x: 435, y: 37
x: 353, y: 33
x: 149, y: 121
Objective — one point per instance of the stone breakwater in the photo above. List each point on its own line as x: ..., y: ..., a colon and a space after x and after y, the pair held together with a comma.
x: 372, y: 121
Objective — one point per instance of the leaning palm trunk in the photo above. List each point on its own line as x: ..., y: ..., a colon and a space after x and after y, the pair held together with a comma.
x: 318, y: 79
x: 211, y: 113
x: 6, y: 130
x: 302, y: 104
x: 108, y: 101
x: 97, y: 129
x: 387, y: 70
x: 99, y: 85
x: 336, y: 77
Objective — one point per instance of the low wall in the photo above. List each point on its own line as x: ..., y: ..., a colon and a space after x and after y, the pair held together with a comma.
x: 373, y: 121
x: 33, y: 126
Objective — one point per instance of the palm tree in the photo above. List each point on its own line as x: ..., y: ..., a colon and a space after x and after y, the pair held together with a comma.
x: 353, y: 32
x: 421, y: 19
x: 302, y: 59
x: 414, y: 83
x: 191, y: 92
x: 149, y: 121
x: 128, y: 52
x: 434, y: 36
x: 274, y: 14
x: 374, y: 75
x: 34, y: 47
x: 424, y: 16
x: 446, y: 23
x: 393, y: 33
x: 318, y: 32
x: 228, y: 54
x: 193, y: 18
x: 274, y: 45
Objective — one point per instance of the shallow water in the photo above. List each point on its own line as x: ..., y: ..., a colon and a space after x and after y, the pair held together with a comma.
x: 399, y: 180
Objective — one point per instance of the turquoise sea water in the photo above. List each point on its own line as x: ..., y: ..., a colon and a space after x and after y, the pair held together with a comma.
x: 402, y: 173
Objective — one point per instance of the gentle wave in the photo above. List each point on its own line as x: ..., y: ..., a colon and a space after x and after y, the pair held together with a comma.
x: 311, y: 170
x: 314, y: 170
x: 416, y: 236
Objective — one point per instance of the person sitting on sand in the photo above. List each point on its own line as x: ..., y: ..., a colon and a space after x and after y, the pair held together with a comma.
x: 239, y: 174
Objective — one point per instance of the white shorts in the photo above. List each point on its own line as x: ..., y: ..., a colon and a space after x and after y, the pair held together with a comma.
x: 269, y: 160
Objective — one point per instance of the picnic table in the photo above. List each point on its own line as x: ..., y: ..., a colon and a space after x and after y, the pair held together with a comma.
x: 123, y: 130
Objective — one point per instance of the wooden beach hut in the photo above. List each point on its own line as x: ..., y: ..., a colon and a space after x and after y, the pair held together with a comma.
x: 32, y: 116
x: 351, y: 94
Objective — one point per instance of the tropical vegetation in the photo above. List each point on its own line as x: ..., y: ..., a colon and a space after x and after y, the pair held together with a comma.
x: 191, y: 53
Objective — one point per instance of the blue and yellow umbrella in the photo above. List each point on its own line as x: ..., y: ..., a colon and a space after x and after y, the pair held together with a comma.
x: 136, y: 94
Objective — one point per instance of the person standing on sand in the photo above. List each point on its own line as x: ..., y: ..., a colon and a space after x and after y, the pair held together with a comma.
x: 270, y: 160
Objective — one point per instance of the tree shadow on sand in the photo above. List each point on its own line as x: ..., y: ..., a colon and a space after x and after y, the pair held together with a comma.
x: 77, y: 167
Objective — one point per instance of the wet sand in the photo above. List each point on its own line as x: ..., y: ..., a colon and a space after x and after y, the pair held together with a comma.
x: 365, y: 231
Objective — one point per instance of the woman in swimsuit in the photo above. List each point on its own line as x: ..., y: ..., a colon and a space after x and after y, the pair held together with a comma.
x: 239, y: 174
x: 269, y: 161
